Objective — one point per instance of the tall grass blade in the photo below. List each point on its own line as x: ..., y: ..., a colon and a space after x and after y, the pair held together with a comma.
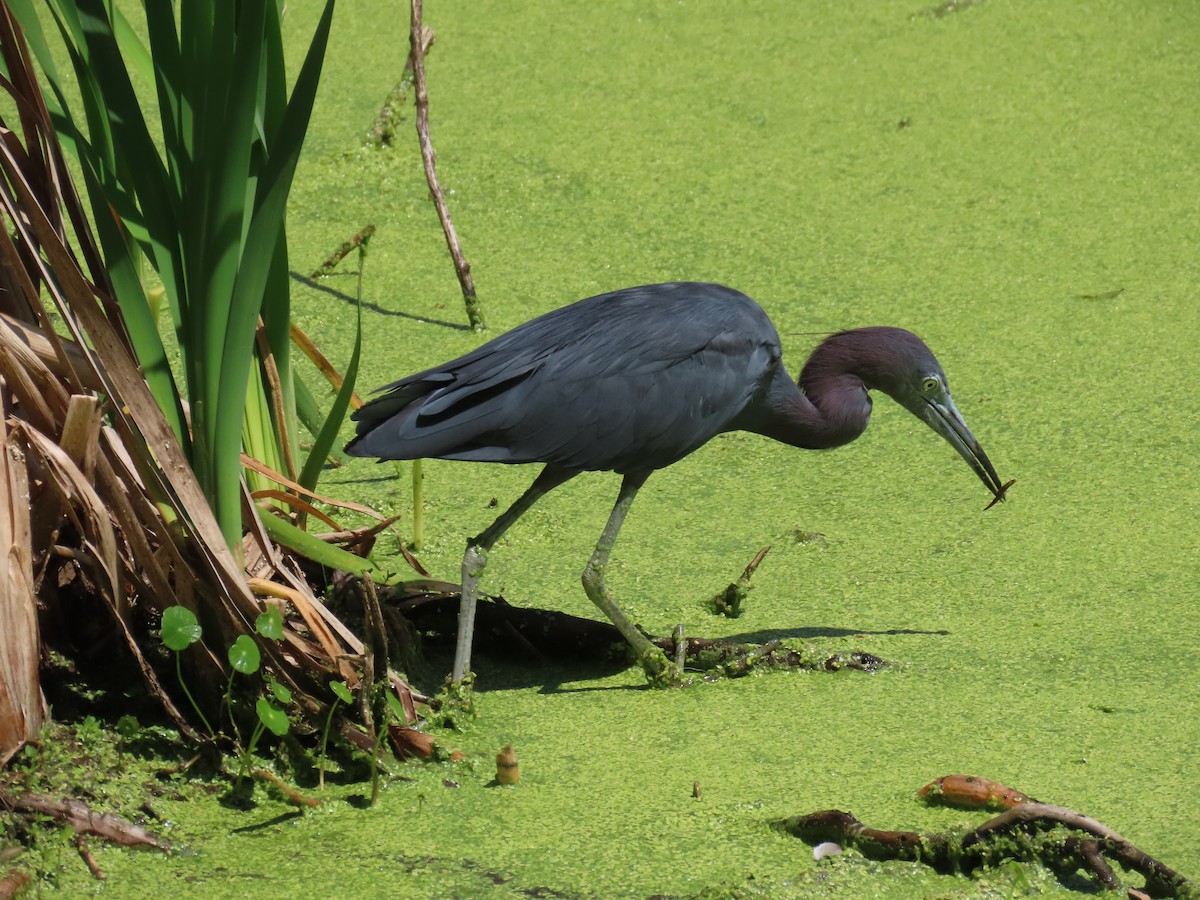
x: 204, y: 200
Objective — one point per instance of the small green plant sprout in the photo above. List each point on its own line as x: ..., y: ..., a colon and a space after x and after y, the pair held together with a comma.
x: 245, y: 657
x: 270, y: 717
x: 128, y: 727
x: 180, y: 630
x: 341, y: 693
x: 395, y: 713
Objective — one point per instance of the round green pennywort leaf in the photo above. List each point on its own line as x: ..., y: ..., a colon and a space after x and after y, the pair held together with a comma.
x: 179, y: 628
x: 282, y: 693
x: 244, y: 655
x: 270, y: 624
x: 271, y: 716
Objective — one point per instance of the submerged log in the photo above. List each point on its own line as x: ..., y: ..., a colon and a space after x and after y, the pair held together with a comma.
x: 1061, y: 839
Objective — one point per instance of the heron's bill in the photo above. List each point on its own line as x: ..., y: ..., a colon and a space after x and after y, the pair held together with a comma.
x: 945, y: 419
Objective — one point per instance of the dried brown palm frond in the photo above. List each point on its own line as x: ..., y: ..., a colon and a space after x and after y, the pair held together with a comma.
x: 97, y: 500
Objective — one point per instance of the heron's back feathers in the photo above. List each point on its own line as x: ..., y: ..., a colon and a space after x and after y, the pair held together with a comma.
x: 631, y: 380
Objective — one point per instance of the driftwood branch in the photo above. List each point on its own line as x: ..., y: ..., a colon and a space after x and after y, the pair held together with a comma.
x: 1161, y: 880
x: 428, y: 157
x: 1062, y: 839
x: 83, y: 820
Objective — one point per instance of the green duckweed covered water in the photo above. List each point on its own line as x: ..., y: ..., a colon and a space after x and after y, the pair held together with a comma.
x: 1017, y: 183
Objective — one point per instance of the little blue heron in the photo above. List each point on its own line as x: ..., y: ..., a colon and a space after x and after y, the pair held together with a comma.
x: 633, y: 381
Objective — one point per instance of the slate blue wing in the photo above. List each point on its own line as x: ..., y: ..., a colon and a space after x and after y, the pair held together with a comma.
x: 630, y: 380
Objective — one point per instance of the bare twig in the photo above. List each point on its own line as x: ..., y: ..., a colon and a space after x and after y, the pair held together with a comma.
x: 383, y: 132
x: 85, y: 853
x: 428, y: 157
x: 327, y: 267
x: 1039, y: 813
x: 729, y: 602
x: 1161, y: 880
x: 261, y: 468
x: 376, y: 630
x: 290, y: 794
x: 300, y: 506
x: 1092, y: 858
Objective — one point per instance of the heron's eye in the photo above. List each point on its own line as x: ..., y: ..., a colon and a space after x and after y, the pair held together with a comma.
x: 930, y: 384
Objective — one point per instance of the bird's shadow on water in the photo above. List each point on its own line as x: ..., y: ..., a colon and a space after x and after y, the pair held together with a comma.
x: 815, y: 633
x: 495, y: 672
x: 499, y: 669
x: 371, y: 307
x: 517, y: 648
x: 280, y: 819
x: 386, y: 475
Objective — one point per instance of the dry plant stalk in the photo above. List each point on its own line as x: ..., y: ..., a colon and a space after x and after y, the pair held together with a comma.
x: 428, y: 157
x: 22, y: 708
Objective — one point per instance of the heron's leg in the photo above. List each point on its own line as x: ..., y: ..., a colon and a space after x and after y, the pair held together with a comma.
x: 476, y: 558
x: 652, y: 659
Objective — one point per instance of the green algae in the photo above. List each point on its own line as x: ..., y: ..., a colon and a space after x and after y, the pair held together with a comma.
x: 1047, y: 160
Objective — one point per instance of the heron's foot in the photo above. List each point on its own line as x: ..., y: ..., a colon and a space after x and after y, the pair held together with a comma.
x: 661, y: 672
x: 455, y: 703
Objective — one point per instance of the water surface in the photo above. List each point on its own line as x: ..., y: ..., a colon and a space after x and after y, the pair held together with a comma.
x: 1015, y: 182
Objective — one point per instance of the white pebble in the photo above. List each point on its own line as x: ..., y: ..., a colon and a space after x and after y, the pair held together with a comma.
x: 828, y: 848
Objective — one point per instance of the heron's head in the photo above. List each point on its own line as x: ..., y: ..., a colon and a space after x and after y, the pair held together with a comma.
x: 899, y: 363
